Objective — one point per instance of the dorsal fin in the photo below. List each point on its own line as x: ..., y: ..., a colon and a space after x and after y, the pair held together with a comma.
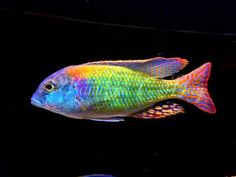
x: 159, y: 67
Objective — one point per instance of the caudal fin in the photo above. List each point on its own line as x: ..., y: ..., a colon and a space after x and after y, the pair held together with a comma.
x: 195, y: 90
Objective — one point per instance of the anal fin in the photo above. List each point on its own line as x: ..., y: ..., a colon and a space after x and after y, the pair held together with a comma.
x: 159, y: 111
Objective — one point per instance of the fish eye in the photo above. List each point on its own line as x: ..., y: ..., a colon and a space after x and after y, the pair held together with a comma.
x: 49, y: 87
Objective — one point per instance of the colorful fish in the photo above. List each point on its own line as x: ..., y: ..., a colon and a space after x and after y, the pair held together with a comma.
x: 110, y: 90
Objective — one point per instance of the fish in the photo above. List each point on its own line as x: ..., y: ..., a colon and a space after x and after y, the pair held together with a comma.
x: 113, y: 90
x: 97, y: 175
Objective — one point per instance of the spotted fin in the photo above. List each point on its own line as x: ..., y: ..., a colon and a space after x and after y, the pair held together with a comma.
x: 109, y: 120
x: 159, y: 67
x: 160, y: 111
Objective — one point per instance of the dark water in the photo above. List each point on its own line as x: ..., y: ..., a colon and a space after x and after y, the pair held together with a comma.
x: 38, y: 143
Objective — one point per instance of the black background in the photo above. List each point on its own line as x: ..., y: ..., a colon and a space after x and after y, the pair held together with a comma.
x: 34, y: 44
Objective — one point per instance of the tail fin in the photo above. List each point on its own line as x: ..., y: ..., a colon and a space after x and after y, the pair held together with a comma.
x: 195, y: 88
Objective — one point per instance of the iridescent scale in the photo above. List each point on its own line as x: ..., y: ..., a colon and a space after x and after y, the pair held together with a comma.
x: 115, y: 89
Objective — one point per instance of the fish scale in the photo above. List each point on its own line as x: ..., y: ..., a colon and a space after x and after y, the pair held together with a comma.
x: 137, y: 88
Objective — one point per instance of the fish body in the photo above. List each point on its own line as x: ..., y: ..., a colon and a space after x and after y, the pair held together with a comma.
x: 124, y: 88
x: 116, y: 90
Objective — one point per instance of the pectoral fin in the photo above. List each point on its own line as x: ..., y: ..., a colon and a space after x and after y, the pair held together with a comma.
x: 159, y: 67
x: 109, y: 120
x: 160, y: 111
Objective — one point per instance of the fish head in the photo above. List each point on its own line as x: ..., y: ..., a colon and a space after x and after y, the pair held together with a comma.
x: 56, y: 93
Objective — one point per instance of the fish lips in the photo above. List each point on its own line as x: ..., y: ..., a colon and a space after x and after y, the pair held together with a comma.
x: 35, y: 102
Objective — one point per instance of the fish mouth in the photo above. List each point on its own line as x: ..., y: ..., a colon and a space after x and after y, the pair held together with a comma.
x: 35, y: 102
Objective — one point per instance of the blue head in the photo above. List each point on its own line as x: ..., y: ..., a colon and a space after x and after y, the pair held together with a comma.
x: 57, y: 93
